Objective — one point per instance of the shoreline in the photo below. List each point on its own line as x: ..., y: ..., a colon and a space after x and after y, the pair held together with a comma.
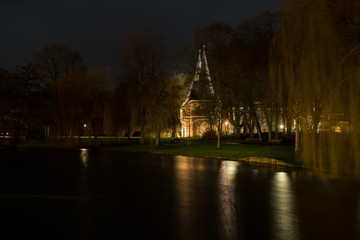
x: 265, y: 162
x: 252, y: 159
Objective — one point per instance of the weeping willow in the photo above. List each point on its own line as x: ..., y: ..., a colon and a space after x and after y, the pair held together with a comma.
x: 315, y: 72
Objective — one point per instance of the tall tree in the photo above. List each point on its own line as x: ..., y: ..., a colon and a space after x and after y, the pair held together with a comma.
x: 142, y: 65
x: 54, y: 63
x: 239, y: 63
x: 17, y: 88
x: 314, y: 68
x: 176, y: 97
x: 93, y: 97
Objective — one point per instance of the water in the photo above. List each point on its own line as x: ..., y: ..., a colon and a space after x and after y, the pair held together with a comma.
x: 99, y: 194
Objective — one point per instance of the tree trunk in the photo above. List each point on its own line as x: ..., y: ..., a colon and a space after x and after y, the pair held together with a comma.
x: 58, y: 129
x: 95, y: 129
x: 257, y: 125
x: 234, y: 119
x: 237, y: 131
x: 297, y: 137
x: 219, y: 134
x: 269, y: 125
x: 254, y: 118
x: 18, y: 127
x: 276, y: 122
x: 142, y: 135
x: 270, y: 133
x: 173, y: 131
x: 288, y: 126
x: 251, y: 130
x: 157, y: 139
x: 258, y: 128
x: 129, y: 133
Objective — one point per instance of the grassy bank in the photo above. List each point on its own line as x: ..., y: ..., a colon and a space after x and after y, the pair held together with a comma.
x: 230, y: 149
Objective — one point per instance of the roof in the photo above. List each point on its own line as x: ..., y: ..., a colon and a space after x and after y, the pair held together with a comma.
x: 201, y: 86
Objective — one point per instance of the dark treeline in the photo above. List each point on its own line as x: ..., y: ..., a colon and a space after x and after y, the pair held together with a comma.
x: 54, y: 96
x: 58, y: 96
x: 238, y: 59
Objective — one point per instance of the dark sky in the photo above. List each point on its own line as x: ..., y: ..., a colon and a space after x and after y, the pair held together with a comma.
x: 96, y: 28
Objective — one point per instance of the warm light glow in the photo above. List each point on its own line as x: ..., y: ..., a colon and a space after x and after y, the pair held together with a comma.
x: 284, y: 204
x: 85, y: 125
x: 84, y: 157
x: 228, y: 172
x: 226, y: 123
x: 281, y: 126
x: 227, y: 196
x: 337, y: 129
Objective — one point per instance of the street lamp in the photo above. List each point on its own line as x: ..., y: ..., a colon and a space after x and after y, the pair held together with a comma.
x: 226, y: 127
x: 282, y: 128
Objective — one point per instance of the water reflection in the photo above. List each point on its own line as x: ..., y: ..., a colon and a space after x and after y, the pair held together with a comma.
x: 184, y: 168
x: 284, y: 207
x: 358, y: 220
x: 226, y: 195
x: 84, y: 156
x: 195, y: 186
x: 228, y: 170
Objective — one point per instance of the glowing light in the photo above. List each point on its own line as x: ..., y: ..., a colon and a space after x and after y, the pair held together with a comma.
x: 84, y: 157
x: 84, y: 125
x: 227, y: 184
x: 284, y: 204
x: 282, y: 126
x: 228, y: 172
x: 226, y: 123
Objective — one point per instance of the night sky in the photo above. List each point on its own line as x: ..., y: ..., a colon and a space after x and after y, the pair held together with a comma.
x: 97, y: 28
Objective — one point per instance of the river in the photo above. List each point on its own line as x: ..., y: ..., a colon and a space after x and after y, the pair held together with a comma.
x: 104, y: 194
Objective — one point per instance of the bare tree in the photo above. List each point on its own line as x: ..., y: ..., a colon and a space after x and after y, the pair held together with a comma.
x: 142, y: 67
x: 17, y: 90
x: 54, y: 63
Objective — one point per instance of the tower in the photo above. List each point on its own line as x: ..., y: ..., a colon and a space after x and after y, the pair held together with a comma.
x: 193, y: 120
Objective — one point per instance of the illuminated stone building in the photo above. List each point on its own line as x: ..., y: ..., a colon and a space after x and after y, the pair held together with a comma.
x: 193, y: 120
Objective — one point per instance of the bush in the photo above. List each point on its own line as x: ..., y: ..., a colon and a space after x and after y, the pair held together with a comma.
x: 209, y: 135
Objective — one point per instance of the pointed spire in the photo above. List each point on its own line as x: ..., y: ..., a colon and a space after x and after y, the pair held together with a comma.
x: 198, y: 68
x: 201, y: 88
x: 207, y: 72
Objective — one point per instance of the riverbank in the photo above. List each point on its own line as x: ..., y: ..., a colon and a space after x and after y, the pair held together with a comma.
x: 279, y: 154
x: 231, y: 149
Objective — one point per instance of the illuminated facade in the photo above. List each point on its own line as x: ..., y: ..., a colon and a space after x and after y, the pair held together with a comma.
x: 194, y: 121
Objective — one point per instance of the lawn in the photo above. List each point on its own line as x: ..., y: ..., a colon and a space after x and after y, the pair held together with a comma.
x: 230, y: 149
